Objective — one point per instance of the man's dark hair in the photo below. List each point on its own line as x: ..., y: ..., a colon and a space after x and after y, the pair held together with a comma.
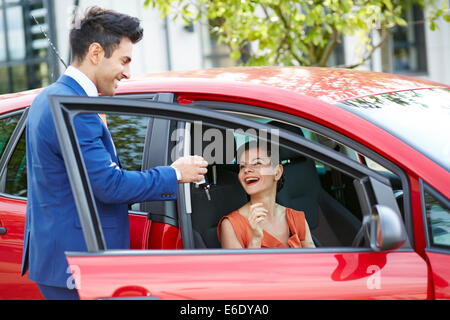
x: 105, y: 27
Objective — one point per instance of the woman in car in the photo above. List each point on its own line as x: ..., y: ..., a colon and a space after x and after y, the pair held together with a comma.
x: 262, y: 223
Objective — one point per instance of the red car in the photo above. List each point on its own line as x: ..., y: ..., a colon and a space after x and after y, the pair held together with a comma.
x: 366, y: 156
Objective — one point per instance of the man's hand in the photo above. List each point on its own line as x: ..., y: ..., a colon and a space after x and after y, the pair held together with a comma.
x: 192, y: 168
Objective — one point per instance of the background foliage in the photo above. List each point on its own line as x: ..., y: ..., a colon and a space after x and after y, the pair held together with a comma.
x: 297, y: 32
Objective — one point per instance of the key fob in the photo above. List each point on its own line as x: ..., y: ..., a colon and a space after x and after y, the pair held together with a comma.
x: 205, y: 186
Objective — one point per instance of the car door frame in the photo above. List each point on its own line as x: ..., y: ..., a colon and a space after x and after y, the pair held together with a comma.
x: 11, y: 145
x: 63, y: 111
x: 65, y: 108
x: 438, y: 257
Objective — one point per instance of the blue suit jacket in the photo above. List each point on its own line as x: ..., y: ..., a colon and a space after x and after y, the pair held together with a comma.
x: 52, y: 224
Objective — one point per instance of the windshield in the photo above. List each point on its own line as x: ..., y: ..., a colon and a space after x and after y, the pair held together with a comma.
x: 421, y: 118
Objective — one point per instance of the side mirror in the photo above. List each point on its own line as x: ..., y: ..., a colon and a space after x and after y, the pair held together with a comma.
x: 386, y: 230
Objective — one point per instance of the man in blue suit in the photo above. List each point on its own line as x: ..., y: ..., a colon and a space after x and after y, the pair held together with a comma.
x: 101, y: 54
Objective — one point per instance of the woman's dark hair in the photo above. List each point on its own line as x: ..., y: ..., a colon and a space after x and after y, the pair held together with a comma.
x: 268, y: 147
x: 105, y: 27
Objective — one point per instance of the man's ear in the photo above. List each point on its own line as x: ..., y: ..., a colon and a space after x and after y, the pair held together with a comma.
x: 95, y: 53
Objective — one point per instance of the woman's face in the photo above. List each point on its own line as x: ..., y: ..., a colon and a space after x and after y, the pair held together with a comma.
x: 256, y: 172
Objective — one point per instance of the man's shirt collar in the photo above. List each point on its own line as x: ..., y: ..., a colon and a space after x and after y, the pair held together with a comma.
x: 83, y: 80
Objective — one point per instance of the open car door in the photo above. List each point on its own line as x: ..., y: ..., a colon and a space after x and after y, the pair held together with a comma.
x: 372, y: 272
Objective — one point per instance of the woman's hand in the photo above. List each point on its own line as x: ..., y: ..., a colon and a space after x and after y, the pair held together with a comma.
x: 257, y: 215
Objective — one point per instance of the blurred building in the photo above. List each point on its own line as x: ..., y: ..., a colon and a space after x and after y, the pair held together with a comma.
x: 412, y: 50
x: 27, y: 60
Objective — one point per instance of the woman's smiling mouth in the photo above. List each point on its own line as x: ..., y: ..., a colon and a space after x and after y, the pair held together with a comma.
x: 251, y: 180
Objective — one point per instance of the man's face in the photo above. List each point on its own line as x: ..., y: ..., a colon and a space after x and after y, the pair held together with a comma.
x: 113, y: 69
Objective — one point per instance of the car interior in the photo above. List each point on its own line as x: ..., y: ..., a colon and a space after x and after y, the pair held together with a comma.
x: 325, y: 195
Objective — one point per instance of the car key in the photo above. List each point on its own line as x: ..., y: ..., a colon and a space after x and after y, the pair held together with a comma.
x: 205, y: 186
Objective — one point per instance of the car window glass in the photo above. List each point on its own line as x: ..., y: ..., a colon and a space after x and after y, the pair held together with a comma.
x: 345, y: 150
x: 354, y: 155
x: 325, y: 141
x: 329, y: 143
x: 16, y: 171
x: 393, y: 179
x: 7, y: 126
x: 438, y: 221
x: 128, y: 134
x: 326, y: 195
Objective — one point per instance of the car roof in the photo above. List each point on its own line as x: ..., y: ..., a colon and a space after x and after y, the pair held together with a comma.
x: 327, y: 84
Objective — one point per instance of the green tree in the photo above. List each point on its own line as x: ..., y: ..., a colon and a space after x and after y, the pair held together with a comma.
x: 296, y: 32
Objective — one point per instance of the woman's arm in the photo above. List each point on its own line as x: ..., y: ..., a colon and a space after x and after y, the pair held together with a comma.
x: 308, y: 242
x: 228, y: 237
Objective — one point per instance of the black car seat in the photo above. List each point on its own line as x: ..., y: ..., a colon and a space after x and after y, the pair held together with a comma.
x: 331, y: 224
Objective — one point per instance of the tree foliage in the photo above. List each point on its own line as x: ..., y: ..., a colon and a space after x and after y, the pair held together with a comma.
x: 296, y: 32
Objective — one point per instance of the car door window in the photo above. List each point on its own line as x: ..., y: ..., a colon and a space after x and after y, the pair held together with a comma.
x: 7, y: 126
x: 437, y: 218
x: 13, y: 162
x: 332, y: 140
x: 339, y: 186
x: 16, y: 171
x: 326, y: 194
x: 395, y: 175
x: 337, y: 225
x: 128, y: 134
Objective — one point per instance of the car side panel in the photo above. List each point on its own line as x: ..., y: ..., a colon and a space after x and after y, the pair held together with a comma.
x: 440, y: 263
x: 299, y: 275
x: 12, y: 285
x: 12, y: 217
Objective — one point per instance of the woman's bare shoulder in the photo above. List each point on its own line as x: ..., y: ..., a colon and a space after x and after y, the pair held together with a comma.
x: 243, y: 211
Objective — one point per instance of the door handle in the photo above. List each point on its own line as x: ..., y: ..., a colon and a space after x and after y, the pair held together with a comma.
x: 2, y: 231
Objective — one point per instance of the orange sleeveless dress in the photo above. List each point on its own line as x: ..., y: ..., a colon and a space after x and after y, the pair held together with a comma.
x: 295, y: 219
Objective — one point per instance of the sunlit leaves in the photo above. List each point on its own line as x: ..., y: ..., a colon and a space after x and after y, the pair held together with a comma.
x: 294, y: 32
